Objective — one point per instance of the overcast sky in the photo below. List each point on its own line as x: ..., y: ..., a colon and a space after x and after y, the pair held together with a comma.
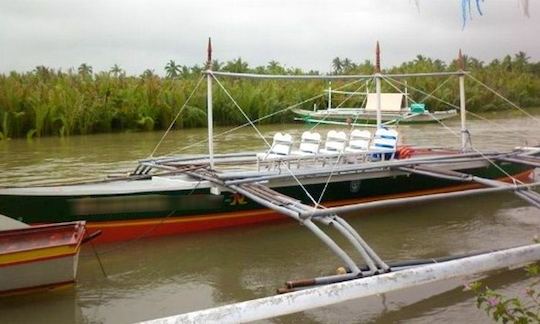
x: 139, y: 34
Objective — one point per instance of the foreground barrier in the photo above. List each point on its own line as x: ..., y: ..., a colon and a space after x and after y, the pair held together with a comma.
x: 298, y: 301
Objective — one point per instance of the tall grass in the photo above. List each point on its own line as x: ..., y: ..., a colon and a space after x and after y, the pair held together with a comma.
x: 46, y: 102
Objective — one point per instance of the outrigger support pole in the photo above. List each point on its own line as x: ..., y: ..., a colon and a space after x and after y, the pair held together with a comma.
x: 293, y: 208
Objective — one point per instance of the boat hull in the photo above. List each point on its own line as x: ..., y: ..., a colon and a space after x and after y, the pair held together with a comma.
x: 40, y: 257
x: 363, y: 117
x: 25, y: 277
x: 131, y: 216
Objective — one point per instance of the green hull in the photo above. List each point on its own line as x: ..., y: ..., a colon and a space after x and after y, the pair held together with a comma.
x: 188, y: 203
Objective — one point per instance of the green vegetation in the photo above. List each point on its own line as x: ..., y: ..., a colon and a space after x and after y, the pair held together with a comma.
x: 523, y: 309
x: 49, y: 102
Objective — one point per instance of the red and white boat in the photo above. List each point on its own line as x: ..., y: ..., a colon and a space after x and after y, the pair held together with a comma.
x: 39, y: 257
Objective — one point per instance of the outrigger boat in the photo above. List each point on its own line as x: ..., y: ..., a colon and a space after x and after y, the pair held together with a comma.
x: 395, y: 109
x: 351, y: 171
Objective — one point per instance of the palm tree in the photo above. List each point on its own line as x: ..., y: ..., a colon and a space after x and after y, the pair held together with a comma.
x: 116, y: 70
x: 42, y: 71
x: 348, y: 65
x: 337, y: 65
x: 147, y: 74
x: 274, y: 67
x: 521, y: 61
x: 507, y: 63
x: 216, y: 65
x: 196, y: 69
x: 85, y: 69
x: 238, y: 66
x: 173, y: 70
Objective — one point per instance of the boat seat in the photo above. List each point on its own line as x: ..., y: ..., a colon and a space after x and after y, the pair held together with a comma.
x: 281, y: 146
x: 309, y: 144
x: 359, y: 141
x: 384, y: 144
x: 335, y: 142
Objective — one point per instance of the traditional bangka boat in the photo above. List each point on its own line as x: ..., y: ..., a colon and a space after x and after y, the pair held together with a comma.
x: 39, y: 257
x: 349, y: 171
x: 394, y: 110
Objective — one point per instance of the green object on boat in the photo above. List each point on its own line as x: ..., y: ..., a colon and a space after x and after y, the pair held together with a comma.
x: 418, y: 108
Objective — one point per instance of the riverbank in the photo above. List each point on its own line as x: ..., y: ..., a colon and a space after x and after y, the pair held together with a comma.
x: 46, y: 102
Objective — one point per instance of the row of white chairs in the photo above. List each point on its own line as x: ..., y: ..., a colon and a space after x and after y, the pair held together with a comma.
x: 382, y: 144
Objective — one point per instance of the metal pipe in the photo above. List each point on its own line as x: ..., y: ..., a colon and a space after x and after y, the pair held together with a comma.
x: 352, y: 239
x: 329, y: 95
x: 332, y: 245
x: 435, y: 174
x: 329, y: 77
x: 324, y: 172
x: 236, y: 178
x: 260, y: 201
x: 366, y: 246
x: 408, y: 200
x: 209, y: 105
x: 298, y: 301
x: 529, y: 199
x: 521, y: 161
x: 462, y: 109
x: 378, y: 90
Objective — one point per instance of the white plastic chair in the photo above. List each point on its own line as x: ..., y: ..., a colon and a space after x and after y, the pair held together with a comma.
x: 281, y: 146
x: 384, y: 144
x: 335, y: 142
x: 359, y: 141
x: 309, y: 144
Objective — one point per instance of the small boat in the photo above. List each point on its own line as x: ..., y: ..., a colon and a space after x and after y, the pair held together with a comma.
x: 395, y: 109
x: 39, y: 257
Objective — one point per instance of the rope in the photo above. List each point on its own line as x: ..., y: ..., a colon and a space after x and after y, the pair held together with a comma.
x: 437, y: 88
x: 422, y: 92
x: 338, y: 160
x: 176, y: 117
x: 514, y: 180
x: 263, y: 138
x: 260, y: 118
x: 503, y: 98
x: 499, y: 125
x: 341, y: 104
x: 241, y: 110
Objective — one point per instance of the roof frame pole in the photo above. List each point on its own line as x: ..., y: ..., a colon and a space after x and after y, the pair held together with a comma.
x: 378, y: 83
x: 209, y: 107
x: 406, y: 94
x: 462, y: 107
x: 329, y: 95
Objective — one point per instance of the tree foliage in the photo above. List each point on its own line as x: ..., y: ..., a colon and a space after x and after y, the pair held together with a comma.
x: 52, y: 102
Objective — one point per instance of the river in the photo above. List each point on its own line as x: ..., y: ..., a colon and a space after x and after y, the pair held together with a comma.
x: 150, y: 278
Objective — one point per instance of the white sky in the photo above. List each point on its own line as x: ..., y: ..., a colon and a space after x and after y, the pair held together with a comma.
x: 146, y: 34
